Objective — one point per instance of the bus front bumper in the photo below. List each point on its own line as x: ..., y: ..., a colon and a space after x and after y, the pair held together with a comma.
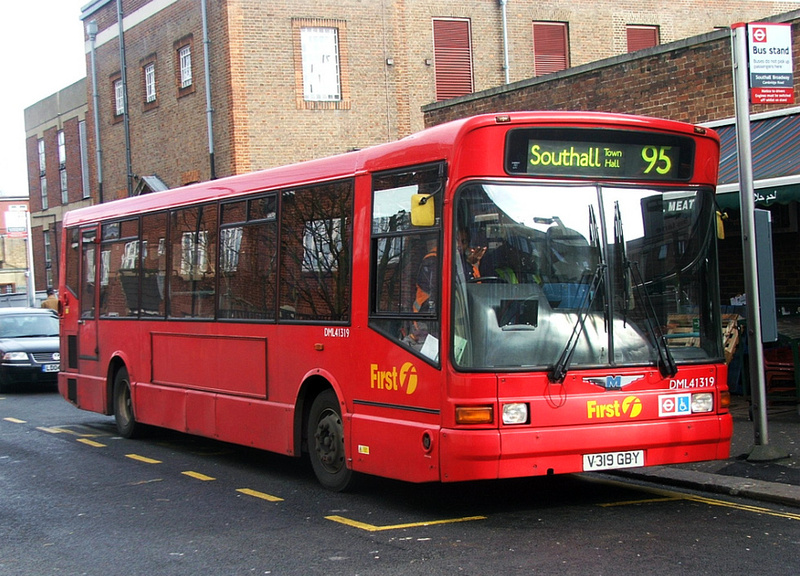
x: 520, y: 452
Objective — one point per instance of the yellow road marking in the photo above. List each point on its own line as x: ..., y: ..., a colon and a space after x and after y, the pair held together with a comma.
x: 59, y: 430
x: 669, y: 495
x: 373, y: 528
x: 643, y: 501
x: 142, y: 459
x: 91, y: 443
x: 198, y: 476
x: 14, y: 420
x: 261, y: 495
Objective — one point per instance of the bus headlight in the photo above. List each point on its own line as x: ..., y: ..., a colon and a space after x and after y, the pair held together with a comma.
x: 702, y: 402
x: 516, y: 413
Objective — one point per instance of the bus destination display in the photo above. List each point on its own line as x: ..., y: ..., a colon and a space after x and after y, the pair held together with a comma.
x: 606, y: 155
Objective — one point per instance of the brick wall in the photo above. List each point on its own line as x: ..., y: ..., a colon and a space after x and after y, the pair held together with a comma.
x: 689, y: 80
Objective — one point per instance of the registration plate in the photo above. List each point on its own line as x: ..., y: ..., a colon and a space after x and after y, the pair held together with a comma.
x: 51, y: 367
x: 613, y: 460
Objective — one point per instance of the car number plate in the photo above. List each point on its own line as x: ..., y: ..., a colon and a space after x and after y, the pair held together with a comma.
x: 613, y: 460
x: 51, y: 367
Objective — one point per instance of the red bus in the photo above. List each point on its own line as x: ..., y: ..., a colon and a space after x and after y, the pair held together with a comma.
x: 500, y: 296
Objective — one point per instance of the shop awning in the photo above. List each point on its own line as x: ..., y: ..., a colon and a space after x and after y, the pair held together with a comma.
x: 775, y: 141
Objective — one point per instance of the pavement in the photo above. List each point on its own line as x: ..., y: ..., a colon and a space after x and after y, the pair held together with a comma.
x: 769, y: 471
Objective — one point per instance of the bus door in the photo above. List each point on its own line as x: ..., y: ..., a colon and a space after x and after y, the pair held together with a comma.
x: 88, y: 344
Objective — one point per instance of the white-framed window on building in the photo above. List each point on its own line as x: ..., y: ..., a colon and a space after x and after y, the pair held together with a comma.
x: 42, y: 157
x: 321, y: 58
x: 62, y: 173
x: 43, y: 187
x: 48, y: 258
x: 62, y: 148
x: 150, y: 82
x: 119, y: 98
x: 185, y: 65
x: 320, y: 48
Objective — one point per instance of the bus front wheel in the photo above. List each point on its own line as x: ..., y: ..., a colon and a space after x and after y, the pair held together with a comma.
x: 123, y: 406
x: 326, y: 443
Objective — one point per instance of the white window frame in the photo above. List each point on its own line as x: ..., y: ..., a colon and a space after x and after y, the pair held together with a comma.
x: 62, y: 148
x: 64, y: 192
x: 321, y: 68
x: 119, y: 98
x: 43, y: 186
x: 185, y: 63
x: 150, y: 83
x: 42, y: 157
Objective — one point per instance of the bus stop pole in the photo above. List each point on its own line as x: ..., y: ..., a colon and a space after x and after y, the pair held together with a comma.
x: 741, y: 91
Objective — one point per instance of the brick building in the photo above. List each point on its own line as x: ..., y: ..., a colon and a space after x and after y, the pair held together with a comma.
x: 688, y: 80
x: 58, y: 172
x: 297, y: 79
x: 212, y: 88
x: 13, y: 246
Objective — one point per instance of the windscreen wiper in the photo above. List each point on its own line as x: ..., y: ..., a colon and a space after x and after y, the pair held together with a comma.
x: 666, y: 362
x: 559, y: 371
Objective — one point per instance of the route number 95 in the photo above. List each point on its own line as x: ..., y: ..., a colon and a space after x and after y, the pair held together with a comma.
x: 656, y: 158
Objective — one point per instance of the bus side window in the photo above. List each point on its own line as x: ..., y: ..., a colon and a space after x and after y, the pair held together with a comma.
x: 406, y: 280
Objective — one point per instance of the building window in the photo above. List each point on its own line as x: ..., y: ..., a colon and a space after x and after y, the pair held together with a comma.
x: 321, y: 61
x: 150, y: 82
x: 43, y: 187
x: 453, y: 58
x: 62, y: 173
x: 641, y: 37
x: 48, y: 258
x: 62, y: 149
x: 119, y: 98
x: 320, y: 50
x: 185, y: 63
x: 42, y: 157
x: 183, y: 66
x: 550, y: 47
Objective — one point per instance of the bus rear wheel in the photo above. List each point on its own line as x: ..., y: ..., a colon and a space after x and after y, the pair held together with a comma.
x: 123, y: 406
x: 326, y: 443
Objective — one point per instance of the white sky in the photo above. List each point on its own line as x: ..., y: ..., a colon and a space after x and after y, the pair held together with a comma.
x: 41, y: 43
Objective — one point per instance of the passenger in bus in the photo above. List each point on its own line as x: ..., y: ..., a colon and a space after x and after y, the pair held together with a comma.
x: 427, y: 280
x: 470, y: 257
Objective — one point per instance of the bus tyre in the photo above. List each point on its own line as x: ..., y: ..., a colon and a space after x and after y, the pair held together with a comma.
x: 123, y: 407
x: 326, y: 443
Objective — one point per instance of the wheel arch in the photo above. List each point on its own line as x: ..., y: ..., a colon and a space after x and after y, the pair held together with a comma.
x: 115, y: 364
x: 313, y: 385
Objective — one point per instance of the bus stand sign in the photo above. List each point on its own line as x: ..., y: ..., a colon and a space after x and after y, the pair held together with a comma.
x: 771, y: 69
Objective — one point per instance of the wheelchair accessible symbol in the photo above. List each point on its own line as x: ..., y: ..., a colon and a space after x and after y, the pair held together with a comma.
x: 674, y: 405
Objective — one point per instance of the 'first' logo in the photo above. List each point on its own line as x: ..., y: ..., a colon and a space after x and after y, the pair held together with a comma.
x: 394, y: 379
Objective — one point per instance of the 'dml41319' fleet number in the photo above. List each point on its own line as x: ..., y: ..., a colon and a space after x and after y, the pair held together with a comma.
x: 613, y: 460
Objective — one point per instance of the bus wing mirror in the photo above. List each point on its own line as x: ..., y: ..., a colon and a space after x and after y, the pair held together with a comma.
x: 422, y: 210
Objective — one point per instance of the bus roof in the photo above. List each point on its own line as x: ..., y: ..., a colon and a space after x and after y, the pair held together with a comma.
x: 431, y: 144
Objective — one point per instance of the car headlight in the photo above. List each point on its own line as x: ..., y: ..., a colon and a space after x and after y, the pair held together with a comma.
x: 15, y: 357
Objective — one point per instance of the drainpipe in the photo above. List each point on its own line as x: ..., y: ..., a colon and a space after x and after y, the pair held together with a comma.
x: 125, y: 119
x: 505, y: 40
x: 91, y: 30
x: 209, y: 109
